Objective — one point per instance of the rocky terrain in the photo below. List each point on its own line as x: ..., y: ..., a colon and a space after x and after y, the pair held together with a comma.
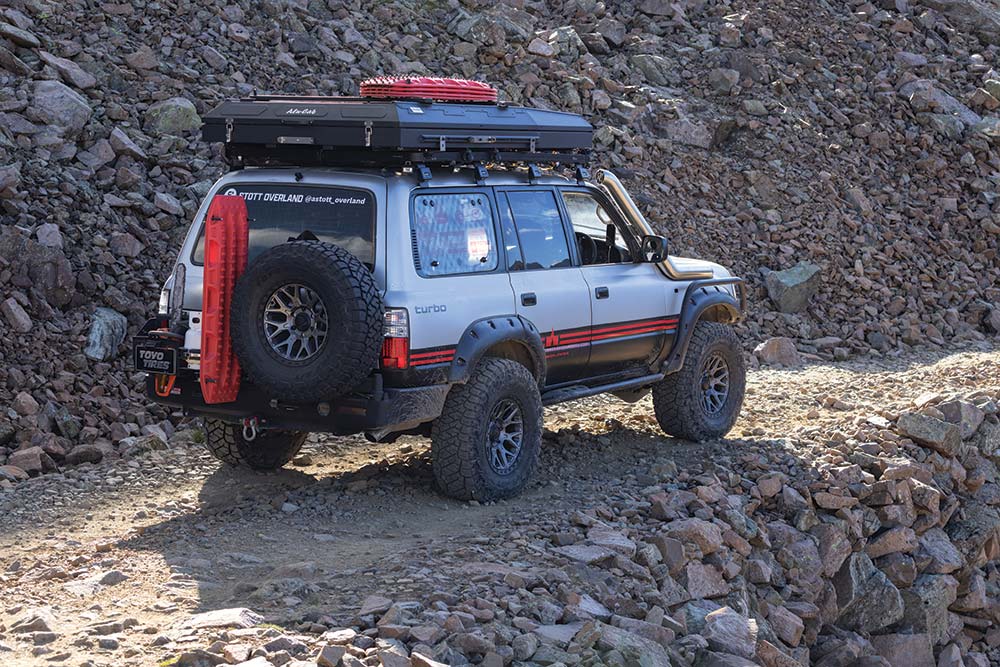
x: 843, y: 157
x: 858, y: 528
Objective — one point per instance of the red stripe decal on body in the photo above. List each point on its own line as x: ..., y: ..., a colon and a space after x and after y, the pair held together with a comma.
x: 432, y: 353
x: 621, y: 329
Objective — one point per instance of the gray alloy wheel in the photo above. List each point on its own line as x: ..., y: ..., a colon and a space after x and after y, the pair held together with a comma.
x: 504, y: 434
x: 296, y: 322
x: 714, y: 383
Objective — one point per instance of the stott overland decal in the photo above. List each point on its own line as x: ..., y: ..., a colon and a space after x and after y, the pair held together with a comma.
x: 296, y: 198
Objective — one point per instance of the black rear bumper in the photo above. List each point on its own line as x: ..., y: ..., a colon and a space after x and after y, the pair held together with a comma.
x: 380, y: 409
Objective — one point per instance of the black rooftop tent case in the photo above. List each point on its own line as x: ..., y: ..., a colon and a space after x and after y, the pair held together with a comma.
x: 305, y: 131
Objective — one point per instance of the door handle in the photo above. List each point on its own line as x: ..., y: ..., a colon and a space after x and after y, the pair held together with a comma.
x: 602, y: 292
x: 528, y: 299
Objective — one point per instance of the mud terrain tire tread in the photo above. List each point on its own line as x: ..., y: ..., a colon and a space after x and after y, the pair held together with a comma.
x: 458, y: 435
x: 269, y: 450
x: 349, y: 293
x: 677, y: 397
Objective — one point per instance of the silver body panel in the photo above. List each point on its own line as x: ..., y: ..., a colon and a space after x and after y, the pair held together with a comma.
x: 441, y: 308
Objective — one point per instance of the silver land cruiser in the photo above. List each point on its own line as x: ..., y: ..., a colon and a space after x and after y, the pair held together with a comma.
x: 449, y: 288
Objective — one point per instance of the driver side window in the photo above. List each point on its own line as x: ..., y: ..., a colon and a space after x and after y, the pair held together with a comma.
x: 597, y: 236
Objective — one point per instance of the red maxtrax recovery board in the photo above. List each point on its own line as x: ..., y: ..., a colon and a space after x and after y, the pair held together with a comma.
x: 432, y: 88
x: 226, y: 240
x: 317, y: 131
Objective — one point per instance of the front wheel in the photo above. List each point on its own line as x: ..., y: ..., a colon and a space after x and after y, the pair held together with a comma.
x: 486, y: 442
x: 268, y: 451
x: 702, y: 400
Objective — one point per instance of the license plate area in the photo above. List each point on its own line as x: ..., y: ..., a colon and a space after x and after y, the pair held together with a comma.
x: 158, y: 359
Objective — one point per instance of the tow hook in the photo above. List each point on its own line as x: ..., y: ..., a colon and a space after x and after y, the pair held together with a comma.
x: 250, y: 428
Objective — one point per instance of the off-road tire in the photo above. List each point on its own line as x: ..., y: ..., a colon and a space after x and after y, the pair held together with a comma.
x: 677, y: 399
x: 270, y: 450
x: 458, y: 437
x: 355, y: 310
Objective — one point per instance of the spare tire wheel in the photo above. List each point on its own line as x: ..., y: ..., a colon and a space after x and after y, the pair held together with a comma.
x: 306, y: 322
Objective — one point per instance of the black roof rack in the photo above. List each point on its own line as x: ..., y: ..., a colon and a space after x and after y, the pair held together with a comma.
x: 280, y: 130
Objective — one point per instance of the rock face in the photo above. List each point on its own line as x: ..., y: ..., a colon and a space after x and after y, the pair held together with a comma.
x: 791, y: 289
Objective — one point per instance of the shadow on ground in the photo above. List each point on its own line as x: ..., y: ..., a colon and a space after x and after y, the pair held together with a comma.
x: 296, y: 546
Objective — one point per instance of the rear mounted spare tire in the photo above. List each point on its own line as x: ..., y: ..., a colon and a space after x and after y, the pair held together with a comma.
x: 307, y: 321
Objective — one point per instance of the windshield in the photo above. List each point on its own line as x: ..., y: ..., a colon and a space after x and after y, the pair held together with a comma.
x: 278, y: 212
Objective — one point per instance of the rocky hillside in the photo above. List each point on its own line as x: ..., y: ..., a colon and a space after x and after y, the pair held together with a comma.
x: 853, y: 137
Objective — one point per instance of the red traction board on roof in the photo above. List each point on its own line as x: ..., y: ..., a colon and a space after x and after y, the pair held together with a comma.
x: 226, y: 241
x: 428, y: 88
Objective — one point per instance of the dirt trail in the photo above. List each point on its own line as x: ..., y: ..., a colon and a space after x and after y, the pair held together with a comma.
x: 357, y: 518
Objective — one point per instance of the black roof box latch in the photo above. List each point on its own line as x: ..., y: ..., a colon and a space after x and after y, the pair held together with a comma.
x: 481, y: 174
x: 424, y: 173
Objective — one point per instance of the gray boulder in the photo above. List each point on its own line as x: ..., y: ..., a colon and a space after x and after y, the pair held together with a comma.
x: 174, y: 116
x: 931, y: 432
x: 868, y: 601
x: 730, y: 632
x: 904, y: 650
x: 976, y: 16
x: 778, y: 351
x: 37, y: 266
x: 107, y: 332
x: 926, y: 606
x: 32, y: 460
x: 924, y: 95
x: 966, y: 415
x: 657, y: 70
x: 84, y: 454
x: 791, y: 289
x: 55, y: 417
x: 58, y: 105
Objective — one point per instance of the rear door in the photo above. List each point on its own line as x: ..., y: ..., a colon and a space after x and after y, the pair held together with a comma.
x: 628, y: 300
x: 549, y: 290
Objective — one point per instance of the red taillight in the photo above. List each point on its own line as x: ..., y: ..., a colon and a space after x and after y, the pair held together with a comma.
x: 396, y: 344
x: 396, y: 353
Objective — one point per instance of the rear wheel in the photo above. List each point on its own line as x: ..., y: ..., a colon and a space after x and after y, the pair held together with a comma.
x: 268, y: 451
x: 702, y: 400
x: 486, y: 442
x: 306, y: 321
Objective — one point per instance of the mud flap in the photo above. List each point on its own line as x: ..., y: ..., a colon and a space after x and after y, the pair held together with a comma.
x: 226, y: 241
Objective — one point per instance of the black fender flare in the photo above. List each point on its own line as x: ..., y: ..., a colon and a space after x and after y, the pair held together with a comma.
x: 487, y: 332
x: 699, y: 297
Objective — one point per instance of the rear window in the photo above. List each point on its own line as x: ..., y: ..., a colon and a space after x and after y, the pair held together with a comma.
x: 344, y: 216
x: 453, y: 233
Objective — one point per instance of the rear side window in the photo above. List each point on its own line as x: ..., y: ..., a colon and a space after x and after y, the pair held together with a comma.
x: 539, y: 229
x: 453, y: 233
x: 278, y: 212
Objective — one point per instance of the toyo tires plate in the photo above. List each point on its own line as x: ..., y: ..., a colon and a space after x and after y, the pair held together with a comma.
x: 155, y: 359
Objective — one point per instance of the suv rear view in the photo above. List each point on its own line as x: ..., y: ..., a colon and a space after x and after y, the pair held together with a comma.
x: 392, y: 267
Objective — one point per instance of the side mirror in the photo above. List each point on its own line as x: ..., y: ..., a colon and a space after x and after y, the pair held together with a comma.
x: 654, y: 249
